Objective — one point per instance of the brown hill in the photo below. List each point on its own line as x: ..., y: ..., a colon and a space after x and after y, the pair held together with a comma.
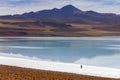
x: 41, y: 28
x: 18, y: 73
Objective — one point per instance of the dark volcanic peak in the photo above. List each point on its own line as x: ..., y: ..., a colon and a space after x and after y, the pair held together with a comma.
x: 91, y: 12
x: 69, y: 12
x: 70, y: 8
x: 55, y: 9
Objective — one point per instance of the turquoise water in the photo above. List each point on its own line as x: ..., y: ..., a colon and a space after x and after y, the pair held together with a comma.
x: 63, y: 49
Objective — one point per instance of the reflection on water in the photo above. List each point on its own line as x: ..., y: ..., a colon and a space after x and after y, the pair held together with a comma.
x: 60, y: 49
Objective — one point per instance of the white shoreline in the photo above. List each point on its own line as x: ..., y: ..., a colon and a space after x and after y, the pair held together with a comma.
x: 61, y: 67
x: 61, y: 38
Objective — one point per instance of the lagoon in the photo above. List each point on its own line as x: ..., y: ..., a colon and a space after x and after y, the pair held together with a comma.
x: 89, y: 51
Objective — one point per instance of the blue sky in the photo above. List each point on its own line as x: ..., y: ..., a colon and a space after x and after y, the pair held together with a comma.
x: 21, y: 6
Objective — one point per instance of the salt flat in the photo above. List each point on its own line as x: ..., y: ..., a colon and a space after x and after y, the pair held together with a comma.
x: 60, y: 67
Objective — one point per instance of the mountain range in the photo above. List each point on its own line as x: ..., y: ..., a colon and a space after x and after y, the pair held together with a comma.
x: 70, y: 13
x: 68, y: 21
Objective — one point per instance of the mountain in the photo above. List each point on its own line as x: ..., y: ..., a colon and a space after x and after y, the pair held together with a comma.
x: 67, y: 21
x: 70, y: 13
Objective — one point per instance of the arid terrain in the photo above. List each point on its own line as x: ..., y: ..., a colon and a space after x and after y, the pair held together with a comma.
x: 18, y: 73
x: 68, y: 21
x: 41, y: 28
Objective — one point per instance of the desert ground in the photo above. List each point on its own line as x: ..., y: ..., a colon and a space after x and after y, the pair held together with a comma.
x: 18, y: 73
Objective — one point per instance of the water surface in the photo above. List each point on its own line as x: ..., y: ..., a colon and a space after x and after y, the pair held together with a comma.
x: 79, y: 50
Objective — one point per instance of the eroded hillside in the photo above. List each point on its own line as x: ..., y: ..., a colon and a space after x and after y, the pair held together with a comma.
x: 45, y: 28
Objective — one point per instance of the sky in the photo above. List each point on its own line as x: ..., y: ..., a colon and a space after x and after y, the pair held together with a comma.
x: 21, y: 6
